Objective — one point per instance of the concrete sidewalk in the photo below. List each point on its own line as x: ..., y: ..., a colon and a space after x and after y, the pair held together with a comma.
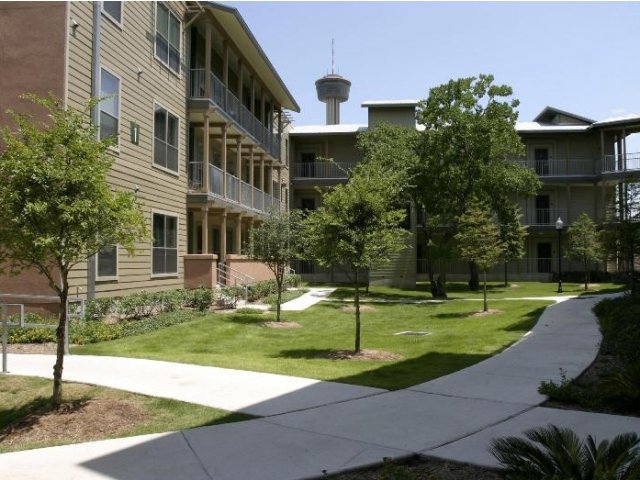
x: 453, y: 417
x: 313, y: 296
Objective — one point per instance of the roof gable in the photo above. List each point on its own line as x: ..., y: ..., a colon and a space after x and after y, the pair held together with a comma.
x: 555, y: 116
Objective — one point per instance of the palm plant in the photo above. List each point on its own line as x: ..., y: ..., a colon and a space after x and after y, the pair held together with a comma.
x: 553, y: 453
x: 623, y: 387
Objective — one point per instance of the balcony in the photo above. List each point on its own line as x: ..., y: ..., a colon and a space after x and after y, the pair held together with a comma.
x: 319, y: 170
x: 533, y: 266
x: 224, y: 99
x: 563, y: 167
x: 238, y: 191
x: 545, y: 216
x: 629, y: 162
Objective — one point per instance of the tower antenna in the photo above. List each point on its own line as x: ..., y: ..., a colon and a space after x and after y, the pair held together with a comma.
x: 333, y: 56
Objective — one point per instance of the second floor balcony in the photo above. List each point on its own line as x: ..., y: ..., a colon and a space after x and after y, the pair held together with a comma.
x: 322, y: 170
x: 561, y: 167
x: 230, y: 188
x: 224, y: 99
x: 629, y: 162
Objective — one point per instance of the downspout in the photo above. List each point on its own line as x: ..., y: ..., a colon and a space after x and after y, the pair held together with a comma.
x: 95, y: 120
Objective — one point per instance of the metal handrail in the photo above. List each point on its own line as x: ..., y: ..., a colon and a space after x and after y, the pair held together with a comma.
x: 621, y: 162
x: 322, y: 169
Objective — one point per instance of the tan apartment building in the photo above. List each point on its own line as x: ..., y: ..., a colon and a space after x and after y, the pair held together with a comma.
x: 581, y: 164
x: 198, y: 112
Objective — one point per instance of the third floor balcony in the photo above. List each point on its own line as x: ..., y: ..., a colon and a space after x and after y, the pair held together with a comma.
x: 201, y: 82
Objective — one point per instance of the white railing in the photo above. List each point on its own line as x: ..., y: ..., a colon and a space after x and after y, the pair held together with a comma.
x: 232, y: 187
x: 561, y: 166
x: 527, y: 265
x: 225, y: 99
x: 322, y: 169
x: 245, y: 194
x: 215, y: 180
x: 545, y: 216
x: 621, y: 163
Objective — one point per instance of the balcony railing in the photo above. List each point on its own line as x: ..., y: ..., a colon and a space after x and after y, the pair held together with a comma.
x: 621, y: 163
x: 322, y: 169
x: 238, y: 191
x: 228, y: 102
x: 530, y: 265
x: 561, y: 167
x: 545, y: 216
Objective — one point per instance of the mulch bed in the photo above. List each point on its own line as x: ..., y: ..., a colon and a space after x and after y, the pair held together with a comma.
x: 39, y: 348
x: 362, y: 355
x: 281, y: 325
x: 352, y: 309
x: 74, y: 422
x: 490, y: 311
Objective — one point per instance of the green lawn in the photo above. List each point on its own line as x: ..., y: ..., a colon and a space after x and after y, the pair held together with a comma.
x: 24, y: 396
x: 458, y: 290
x: 457, y: 339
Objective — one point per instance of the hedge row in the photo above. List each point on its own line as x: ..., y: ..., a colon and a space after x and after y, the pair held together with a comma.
x: 620, y: 326
x: 82, y: 332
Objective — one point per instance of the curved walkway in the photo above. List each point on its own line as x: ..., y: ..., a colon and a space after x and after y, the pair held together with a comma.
x: 452, y: 417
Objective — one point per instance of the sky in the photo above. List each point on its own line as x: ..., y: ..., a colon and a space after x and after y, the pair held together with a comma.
x: 582, y: 57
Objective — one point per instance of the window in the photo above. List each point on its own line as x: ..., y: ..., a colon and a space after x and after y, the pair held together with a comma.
x: 107, y: 263
x: 165, y: 244
x: 110, y: 105
x: 113, y: 10
x: 168, y: 37
x: 166, y: 128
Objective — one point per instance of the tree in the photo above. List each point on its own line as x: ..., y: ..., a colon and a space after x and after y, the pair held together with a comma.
x: 355, y: 228
x: 57, y: 207
x: 551, y: 453
x: 467, y: 151
x: 583, y: 244
x: 276, y: 244
x: 512, y: 236
x: 479, y: 240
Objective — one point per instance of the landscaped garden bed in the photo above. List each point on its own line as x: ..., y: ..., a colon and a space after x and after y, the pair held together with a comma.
x: 87, y: 413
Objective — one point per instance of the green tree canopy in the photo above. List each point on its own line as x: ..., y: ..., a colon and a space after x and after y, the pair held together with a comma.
x: 478, y: 239
x: 512, y: 236
x: 584, y: 244
x: 467, y: 151
x: 276, y: 243
x: 355, y: 226
x: 57, y: 206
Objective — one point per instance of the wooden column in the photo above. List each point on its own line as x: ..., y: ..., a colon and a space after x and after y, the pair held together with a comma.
x: 205, y: 229
x: 207, y: 61
x: 225, y: 70
x: 251, y: 175
x: 238, y: 233
x: 223, y: 236
x: 239, y: 167
x: 279, y: 189
x: 240, y: 82
x: 224, y: 160
x: 206, y: 153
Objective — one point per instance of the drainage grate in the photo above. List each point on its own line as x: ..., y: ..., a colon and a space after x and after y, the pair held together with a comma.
x: 412, y: 333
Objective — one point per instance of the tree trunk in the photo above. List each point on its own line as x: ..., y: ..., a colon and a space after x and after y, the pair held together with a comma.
x: 486, y: 305
x: 279, y: 281
x: 586, y: 276
x: 56, y: 398
x: 506, y: 283
x: 357, y: 305
x: 474, y: 280
x: 441, y: 286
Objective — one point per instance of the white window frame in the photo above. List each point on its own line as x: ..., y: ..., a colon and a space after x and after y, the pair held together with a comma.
x: 176, y: 173
x: 115, y: 21
x: 155, y: 32
x: 177, y: 217
x: 108, y: 278
x: 116, y: 145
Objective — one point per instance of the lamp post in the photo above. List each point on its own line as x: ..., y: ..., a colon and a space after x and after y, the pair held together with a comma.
x: 559, y: 225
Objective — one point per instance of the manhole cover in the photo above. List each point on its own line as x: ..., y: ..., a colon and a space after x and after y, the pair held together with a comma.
x: 415, y: 334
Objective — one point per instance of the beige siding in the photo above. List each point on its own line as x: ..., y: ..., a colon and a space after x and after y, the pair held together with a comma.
x: 126, y: 51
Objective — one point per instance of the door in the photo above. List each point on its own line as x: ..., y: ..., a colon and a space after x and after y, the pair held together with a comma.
x: 544, y: 257
x: 308, y: 164
x: 541, y: 158
x: 543, y: 213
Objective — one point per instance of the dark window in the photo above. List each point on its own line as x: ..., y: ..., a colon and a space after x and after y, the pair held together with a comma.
x: 165, y: 244
x: 544, y: 258
x: 168, y: 37
x: 109, y: 106
x: 308, y: 204
x: 541, y: 157
x: 308, y: 166
x: 166, y: 132
x: 107, y: 262
x: 114, y: 10
x: 543, y: 213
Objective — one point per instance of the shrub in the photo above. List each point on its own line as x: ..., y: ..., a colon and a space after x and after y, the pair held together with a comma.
x: 552, y: 453
x: 200, y: 298
x: 99, y: 308
x: 620, y: 326
x: 568, y: 392
x: 623, y: 387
